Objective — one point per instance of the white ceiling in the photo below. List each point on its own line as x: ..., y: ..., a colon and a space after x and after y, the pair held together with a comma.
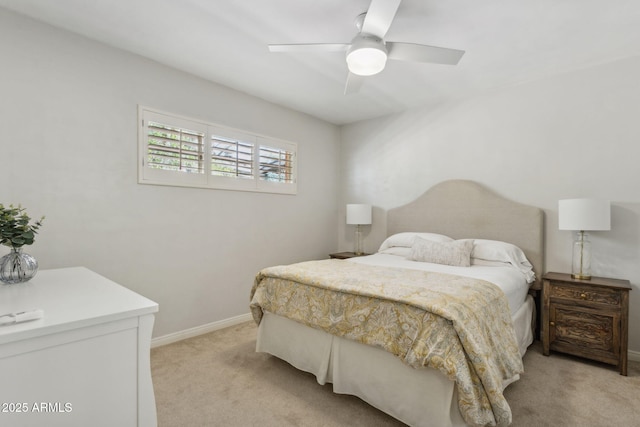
x: 506, y: 42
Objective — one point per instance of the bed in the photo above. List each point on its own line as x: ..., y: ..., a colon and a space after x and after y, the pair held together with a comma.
x: 433, y: 371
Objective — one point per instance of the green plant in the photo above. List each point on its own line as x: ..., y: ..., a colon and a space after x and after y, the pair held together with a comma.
x: 15, y: 229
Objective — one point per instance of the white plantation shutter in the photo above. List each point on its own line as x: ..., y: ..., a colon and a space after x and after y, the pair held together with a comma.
x: 276, y: 164
x: 173, y: 148
x: 184, y: 152
x: 231, y: 157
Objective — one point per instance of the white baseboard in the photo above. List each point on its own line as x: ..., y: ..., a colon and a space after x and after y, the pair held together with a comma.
x: 199, y: 330
x: 634, y: 355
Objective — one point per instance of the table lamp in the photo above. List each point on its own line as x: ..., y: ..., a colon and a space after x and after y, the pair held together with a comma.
x: 358, y: 214
x: 583, y: 215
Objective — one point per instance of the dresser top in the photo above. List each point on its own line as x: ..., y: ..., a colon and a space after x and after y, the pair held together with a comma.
x: 70, y: 298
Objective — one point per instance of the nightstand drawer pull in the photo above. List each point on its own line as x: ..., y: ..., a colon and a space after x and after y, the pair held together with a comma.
x: 583, y: 296
x: 552, y: 323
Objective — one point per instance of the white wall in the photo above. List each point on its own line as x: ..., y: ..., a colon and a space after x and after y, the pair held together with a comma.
x: 68, y: 150
x: 572, y: 135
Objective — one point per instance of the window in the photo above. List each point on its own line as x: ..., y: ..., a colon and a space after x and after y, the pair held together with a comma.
x: 185, y: 152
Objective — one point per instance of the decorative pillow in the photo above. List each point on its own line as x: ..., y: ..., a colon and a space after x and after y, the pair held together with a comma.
x: 405, y: 240
x: 456, y: 253
x: 503, y: 252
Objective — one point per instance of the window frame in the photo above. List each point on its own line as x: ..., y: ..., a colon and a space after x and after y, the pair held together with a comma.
x: 159, y: 176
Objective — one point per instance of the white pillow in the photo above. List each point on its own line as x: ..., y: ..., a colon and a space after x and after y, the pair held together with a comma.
x: 503, y: 252
x: 397, y: 250
x: 405, y: 240
x: 456, y: 253
x: 478, y: 261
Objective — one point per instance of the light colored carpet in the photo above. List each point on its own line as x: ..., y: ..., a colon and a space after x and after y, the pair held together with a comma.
x: 218, y: 379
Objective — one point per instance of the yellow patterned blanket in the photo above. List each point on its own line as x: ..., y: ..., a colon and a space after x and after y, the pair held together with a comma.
x: 458, y: 325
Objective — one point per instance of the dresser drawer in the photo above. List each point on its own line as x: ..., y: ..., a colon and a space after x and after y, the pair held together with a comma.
x: 606, y: 296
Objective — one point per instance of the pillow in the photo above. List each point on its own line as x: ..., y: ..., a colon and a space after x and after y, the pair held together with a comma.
x: 503, y: 252
x: 456, y: 253
x: 479, y: 261
x: 397, y: 250
x: 405, y: 240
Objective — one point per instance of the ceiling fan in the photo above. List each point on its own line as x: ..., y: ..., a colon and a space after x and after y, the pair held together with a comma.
x: 368, y: 52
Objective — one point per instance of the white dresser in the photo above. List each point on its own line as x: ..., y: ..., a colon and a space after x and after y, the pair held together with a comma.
x: 86, y: 362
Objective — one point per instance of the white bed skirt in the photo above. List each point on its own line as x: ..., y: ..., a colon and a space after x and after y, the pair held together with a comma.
x: 417, y: 397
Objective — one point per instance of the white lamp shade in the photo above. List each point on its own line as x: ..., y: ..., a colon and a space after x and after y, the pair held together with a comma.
x: 584, y: 214
x: 358, y: 214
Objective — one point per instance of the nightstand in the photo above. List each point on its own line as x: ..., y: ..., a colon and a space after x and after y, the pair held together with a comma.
x: 587, y: 318
x: 345, y: 255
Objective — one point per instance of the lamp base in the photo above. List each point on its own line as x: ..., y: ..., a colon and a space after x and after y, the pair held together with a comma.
x: 581, y: 264
x: 358, y: 241
x: 580, y: 276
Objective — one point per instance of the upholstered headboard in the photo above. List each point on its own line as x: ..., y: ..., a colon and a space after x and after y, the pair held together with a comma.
x: 465, y: 209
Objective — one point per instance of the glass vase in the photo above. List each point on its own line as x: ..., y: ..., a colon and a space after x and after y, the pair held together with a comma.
x: 17, y: 267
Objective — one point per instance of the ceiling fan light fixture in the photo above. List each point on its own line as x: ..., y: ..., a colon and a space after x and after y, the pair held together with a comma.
x: 366, y: 56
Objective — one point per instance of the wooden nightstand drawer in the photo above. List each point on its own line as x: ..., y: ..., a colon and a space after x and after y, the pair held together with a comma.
x: 586, y: 294
x: 585, y: 331
x: 587, y: 318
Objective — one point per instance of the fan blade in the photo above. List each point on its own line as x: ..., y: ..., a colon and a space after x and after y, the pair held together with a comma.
x: 309, y: 47
x: 379, y: 17
x: 423, y: 53
x: 354, y: 82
